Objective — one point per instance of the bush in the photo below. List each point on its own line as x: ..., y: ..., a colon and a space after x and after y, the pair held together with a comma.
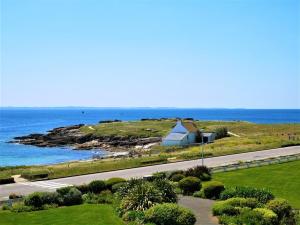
x: 73, y: 197
x: 64, y: 190
x: 166, y: 189
x: 20, y: 207
x: 112, y: 181
x: 169, y: 213
x: 133, y: 216
x: 211, y: 190
x: 84, y: 188
x: 35, y: 175
x: 14, y: 196
x: 141, y: 197
x: 173, y: 172
x: 125, y: 187
x: 189, y: 185
x: 177, y: 177
x: 221, y: 132
x: 268, y: 215
x: 50, y: 198
x: 159, y: 175
x: 97, y: 186
x: 117, y: 186
x: 261, y: 195
x: 34, y: 200
x: 105, y: 197
x: 283, y: 210
x: 233, y: 206
x: 202, y: 172
x: 7, y: 180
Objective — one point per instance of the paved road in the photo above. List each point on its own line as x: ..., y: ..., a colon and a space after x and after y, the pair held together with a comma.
x: 29, y: 187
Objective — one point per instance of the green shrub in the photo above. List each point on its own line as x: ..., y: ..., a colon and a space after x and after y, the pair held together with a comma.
x: 141, y: 197
x: 169, y: 213
x: 202, y: 172
x: 7, y: 180
x: 35, y: 174
x: 268, y: 215
x: 117, y: 186
x: 283, y: 210
x: 262, y: 195
x: 97, y: 186
x: 6, y: 207
x: 105, y: 197
x: 34, y: 200
x: 177, y: 177
x: 125, y: 187
x: 134, y: 216
x: 233, y: 206
x: 173, y: 172
x: 159, y: 175
x: 64, y: 190
x: 153, y: 161
x: 211, y: 190
x: 189, y: 185
x: 73, y: 197
x: 112, y: 181
x: 166, y: 189
x: 221, y: 132
x: 21, y: 207
x: 83, y: 188
x: 50, y: 198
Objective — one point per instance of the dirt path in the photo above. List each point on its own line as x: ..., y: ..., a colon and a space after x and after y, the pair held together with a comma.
x: 201, y: 208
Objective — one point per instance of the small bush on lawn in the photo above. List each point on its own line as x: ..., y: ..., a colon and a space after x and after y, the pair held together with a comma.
x: 159, y: 175
x: 97, y: 186
x: 261, y: 195
x: 117, y: 186
x: 125, y: 187
x: 84, y: 188
x: 105, y: 197
x: 34, y: 200
x: 210, y: 190
x: 172, y: 173
x: 221, y: 132
x: 73, y: 197
x: 141, y: 197
x: 21, y: 207
x: 134, y: 216
x: 283, y: 210
x: 167, y: 191
x: 268, y: 215
x: 169, y: 213
x: 112, y: 181
x: 202, y: 172
x: 233, y: 206
x: 64, y: 190
x: 177, y: 177
x: 189, y: 185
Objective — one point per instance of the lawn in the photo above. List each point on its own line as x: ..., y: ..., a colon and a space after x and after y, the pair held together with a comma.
x: 79, y: 215
x: 282, y: 179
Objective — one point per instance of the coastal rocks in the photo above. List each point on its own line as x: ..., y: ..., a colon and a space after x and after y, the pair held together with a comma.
x: 73, y: 137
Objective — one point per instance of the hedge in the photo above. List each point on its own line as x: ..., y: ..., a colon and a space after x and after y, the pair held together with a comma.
x: 7, y: 180
x: 189, y: 185
x: 210, y: 190
x: 35, y: 175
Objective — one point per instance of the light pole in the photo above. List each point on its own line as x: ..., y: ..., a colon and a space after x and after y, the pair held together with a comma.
x: 202, y: 148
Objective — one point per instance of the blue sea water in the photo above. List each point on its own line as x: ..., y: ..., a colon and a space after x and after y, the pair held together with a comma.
x: 22, y: 121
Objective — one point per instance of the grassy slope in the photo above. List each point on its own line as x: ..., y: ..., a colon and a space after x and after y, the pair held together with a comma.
x: 282, y: 179
x: 79, y: 215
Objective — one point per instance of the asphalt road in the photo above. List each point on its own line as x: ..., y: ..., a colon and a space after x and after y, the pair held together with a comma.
x: 25, y: 188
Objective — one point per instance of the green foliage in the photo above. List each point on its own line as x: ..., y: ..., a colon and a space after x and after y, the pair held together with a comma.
x: 21, y: 207
x: 177, y: 177
x: 112, y: 181
x: 283, y: 210
x: 7, y: 180
x: 169, y: 213
x: 97, y: 186
x: 221, y: 132
x: 141, y: 197
x: 73, y: 197
x: 35, y: 174
x: 34, y: 200
x: 189, y: 185
x: 211, y: 190
x: 64, y: 190
x: 166, y: 189
x: 233, y: 206
x: 202, y: 172
x: 83, y: 188
x: 268, y: 215
x: 262, y: 195
x: 134, y: 216
x: 105, y: 197
x: 117, y: 186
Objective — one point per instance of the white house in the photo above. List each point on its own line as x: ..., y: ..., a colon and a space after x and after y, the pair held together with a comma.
x: 184, y: 133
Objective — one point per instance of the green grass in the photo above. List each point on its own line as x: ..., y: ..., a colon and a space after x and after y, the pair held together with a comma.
x: 282, y: 179
x: 253, y: 137
x: 79, y: 215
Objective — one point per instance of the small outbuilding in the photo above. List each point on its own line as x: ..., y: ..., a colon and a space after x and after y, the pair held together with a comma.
x: 184, y: 133
x: 208, y: 137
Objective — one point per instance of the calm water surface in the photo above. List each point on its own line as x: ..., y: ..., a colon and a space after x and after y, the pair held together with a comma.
x: 22, y: 121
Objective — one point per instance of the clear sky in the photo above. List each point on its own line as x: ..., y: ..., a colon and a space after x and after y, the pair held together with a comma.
x: 150, y: 53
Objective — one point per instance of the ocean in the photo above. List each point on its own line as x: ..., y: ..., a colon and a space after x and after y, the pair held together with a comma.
x: 22, y: 121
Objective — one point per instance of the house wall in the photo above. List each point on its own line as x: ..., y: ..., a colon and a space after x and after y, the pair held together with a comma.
x: 191, y: 138
x: 182, y: 142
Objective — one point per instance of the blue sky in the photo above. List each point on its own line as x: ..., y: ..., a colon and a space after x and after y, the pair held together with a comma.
x: 142, y: 53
